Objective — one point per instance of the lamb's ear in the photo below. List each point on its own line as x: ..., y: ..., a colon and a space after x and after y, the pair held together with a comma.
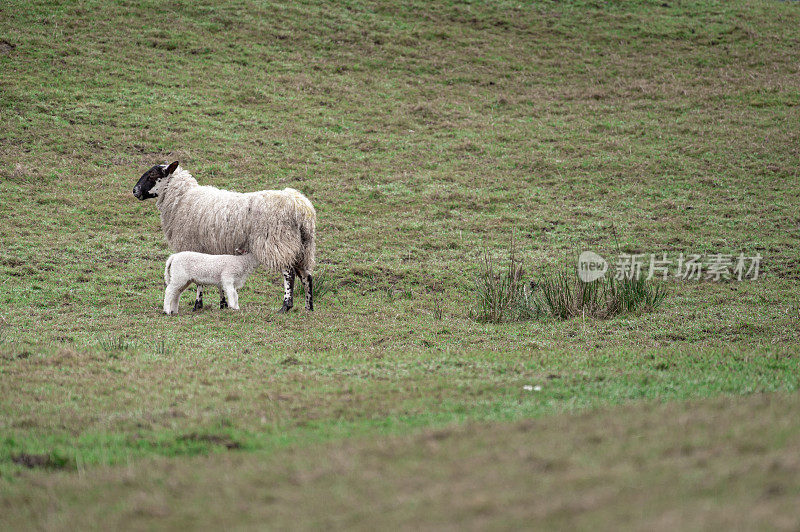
x: 171, y: 168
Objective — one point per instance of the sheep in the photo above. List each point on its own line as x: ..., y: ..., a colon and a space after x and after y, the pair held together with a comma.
x: 228, y: 272
x: 277, y: 226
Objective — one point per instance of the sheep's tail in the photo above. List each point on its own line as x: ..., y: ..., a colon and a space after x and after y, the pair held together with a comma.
x: 307, y: 222
x: 167, y: 275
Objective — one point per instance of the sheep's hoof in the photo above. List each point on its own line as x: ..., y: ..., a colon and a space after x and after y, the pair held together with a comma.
x: 197, y: 305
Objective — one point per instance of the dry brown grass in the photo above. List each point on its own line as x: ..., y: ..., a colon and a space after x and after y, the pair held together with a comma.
x: 712, y: 464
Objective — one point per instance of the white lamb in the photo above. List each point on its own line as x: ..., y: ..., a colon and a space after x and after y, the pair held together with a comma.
x: 227, y: 272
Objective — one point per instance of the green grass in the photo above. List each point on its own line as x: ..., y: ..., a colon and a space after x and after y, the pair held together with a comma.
x: 109, y: 407
x: 424, y: 133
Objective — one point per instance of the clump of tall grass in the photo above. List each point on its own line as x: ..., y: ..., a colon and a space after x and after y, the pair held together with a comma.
x: 438, y: 312
x: 499, y: 290
x: 565, y: 295
x: 115, y: 343
x: 161, y: 347
x: 322, y: 285
x: 502, y: 294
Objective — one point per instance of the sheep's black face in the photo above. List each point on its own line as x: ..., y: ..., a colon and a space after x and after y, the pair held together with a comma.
x: 152, y: 181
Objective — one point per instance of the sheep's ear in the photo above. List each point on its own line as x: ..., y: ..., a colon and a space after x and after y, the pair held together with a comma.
x: 171, y: 168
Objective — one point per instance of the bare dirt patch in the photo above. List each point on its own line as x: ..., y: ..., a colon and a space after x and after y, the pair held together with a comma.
x: 213, y: 439
x: 40, y: 461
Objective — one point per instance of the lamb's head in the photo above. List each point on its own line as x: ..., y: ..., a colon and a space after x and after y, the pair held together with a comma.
x: 154, y: 181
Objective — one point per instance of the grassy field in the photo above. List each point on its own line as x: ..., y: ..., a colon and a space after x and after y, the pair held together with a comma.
x: 713, y: 464
x: 424, y: 133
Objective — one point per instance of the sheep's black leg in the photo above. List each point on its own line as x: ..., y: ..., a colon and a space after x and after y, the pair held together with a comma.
x: 223, y: 302
x: 309, y: 292
x: 308, y: 287
x: 198, y: 302
x: 288, y: 290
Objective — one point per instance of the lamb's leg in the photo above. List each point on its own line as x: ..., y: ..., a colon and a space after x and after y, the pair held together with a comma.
x: 171, y: 297
x: 223, y: 303
x: 308, y: 287
x: 198, y: 301
x: 233, y: 297
x: 288, y: 290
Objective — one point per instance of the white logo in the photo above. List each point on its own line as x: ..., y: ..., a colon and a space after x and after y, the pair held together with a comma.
x: 591, y: 266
